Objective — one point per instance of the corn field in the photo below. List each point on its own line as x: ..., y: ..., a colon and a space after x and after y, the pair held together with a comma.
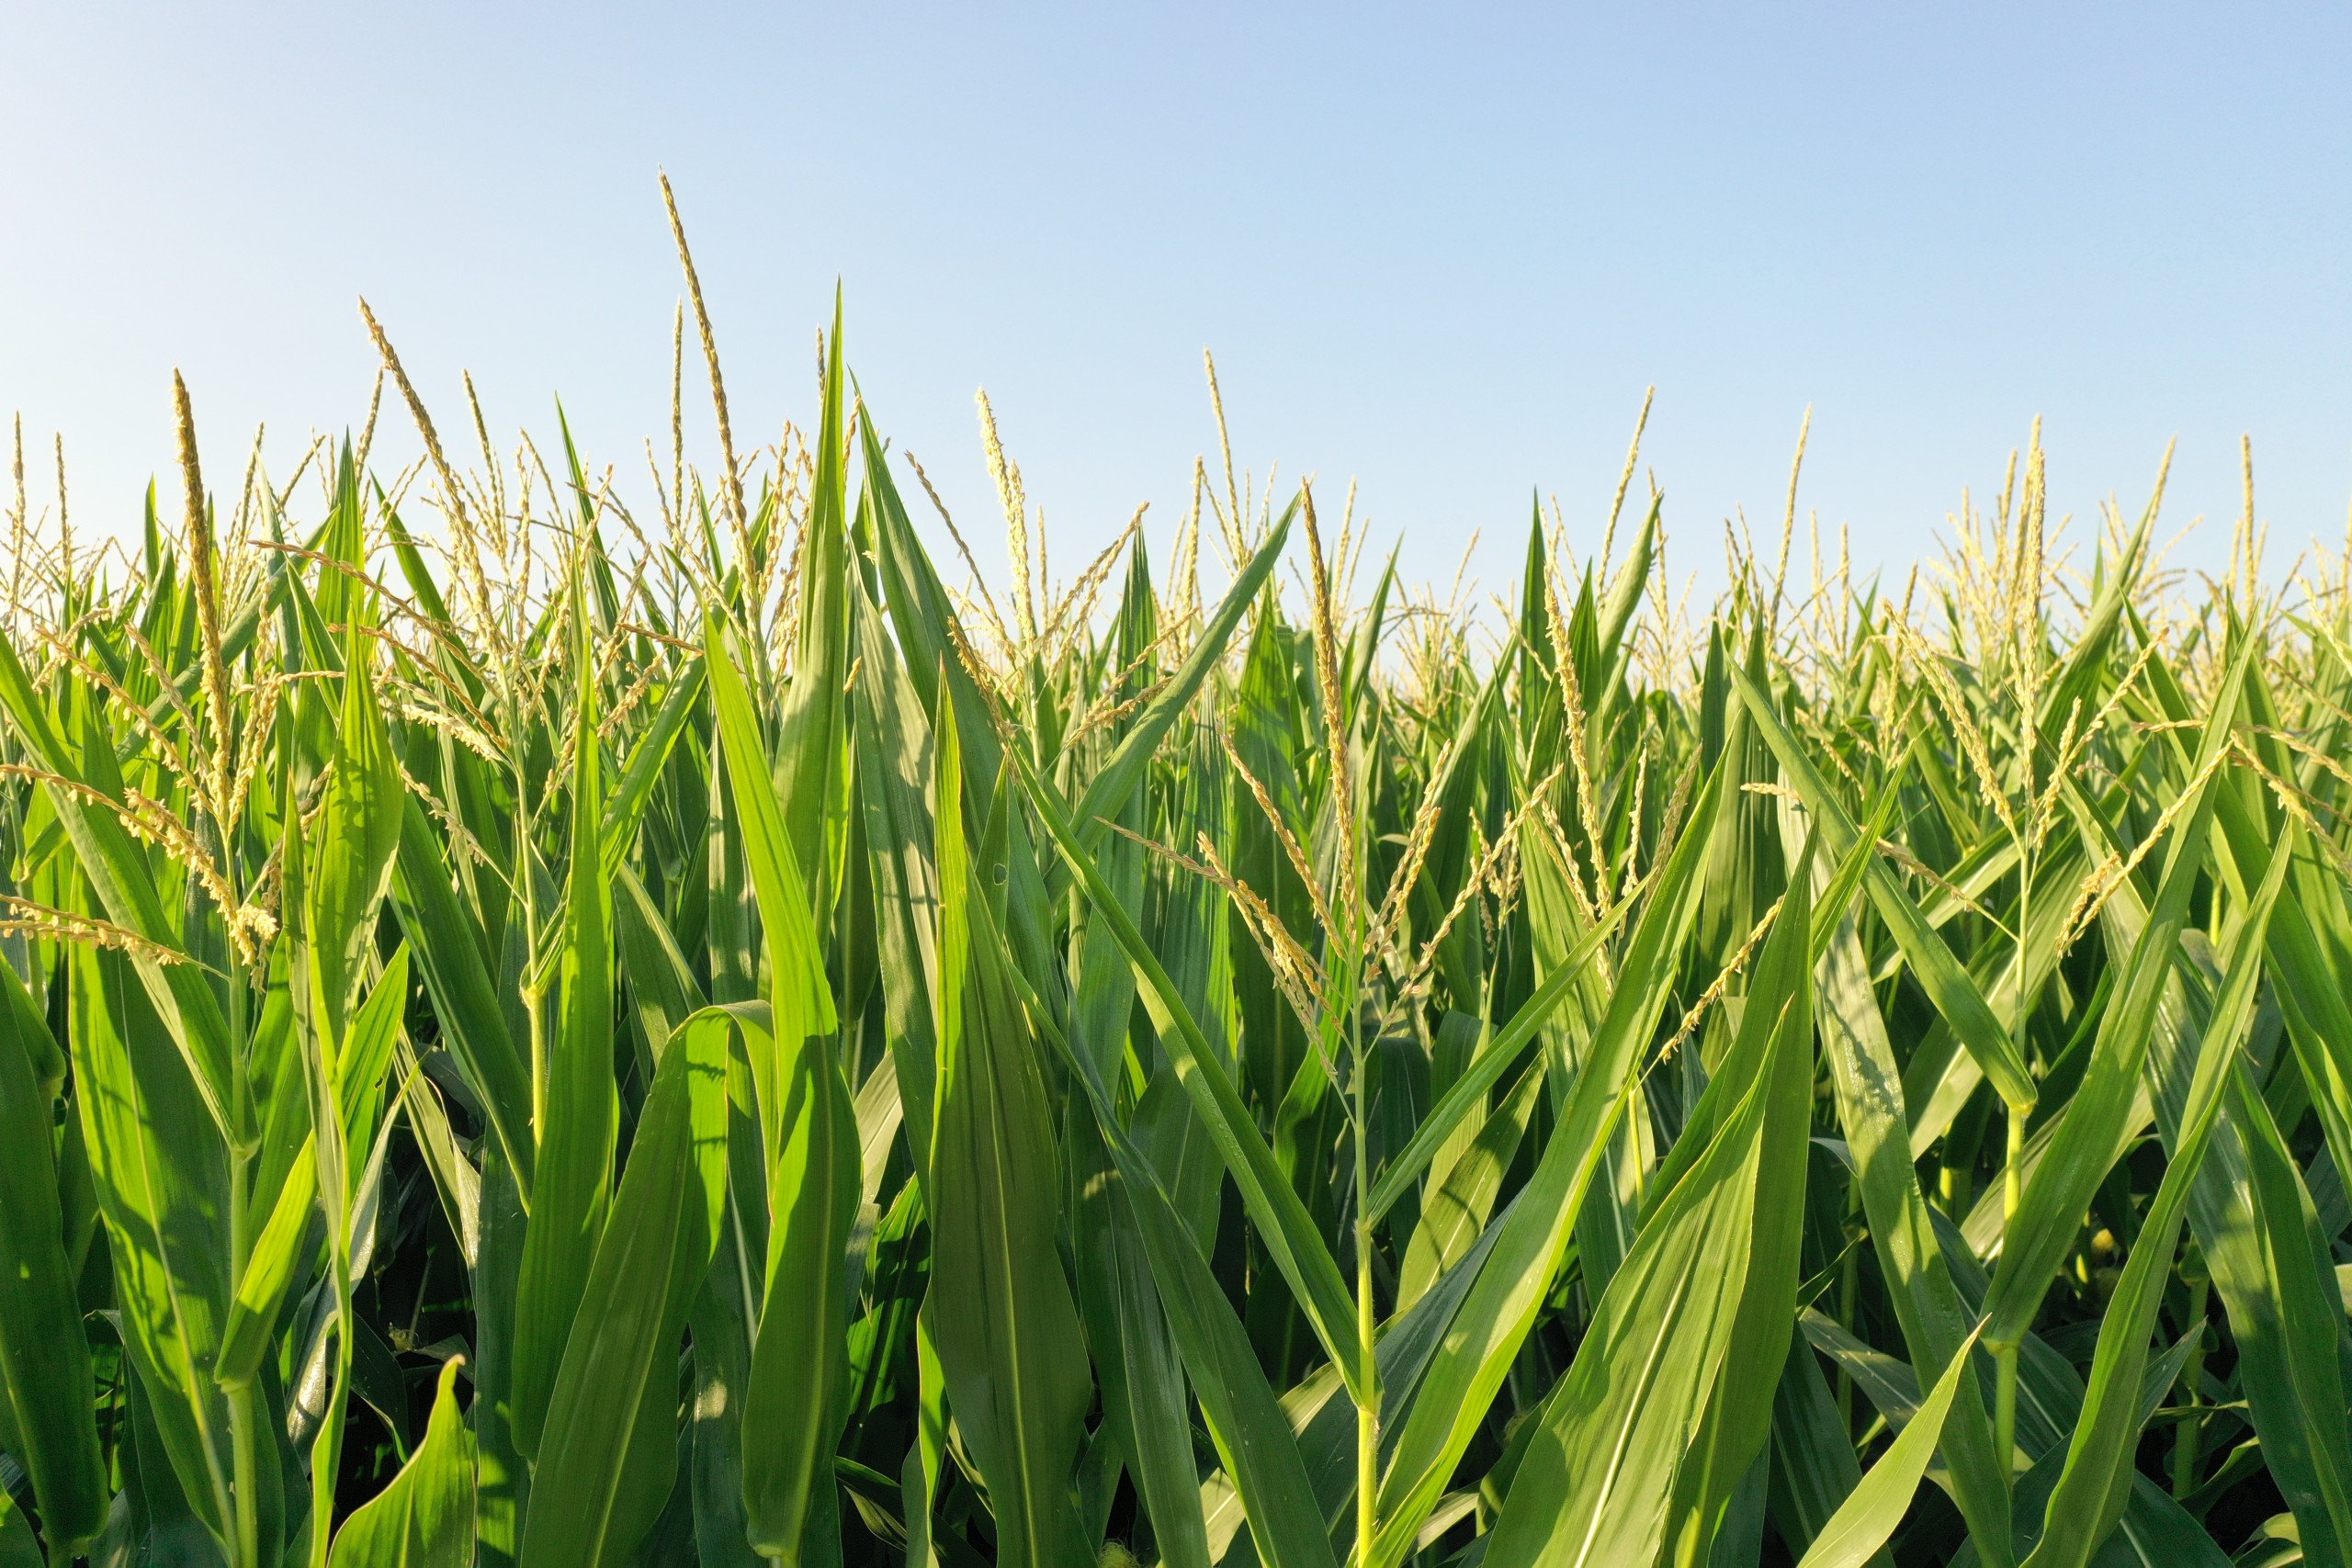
x: 542, y: 1028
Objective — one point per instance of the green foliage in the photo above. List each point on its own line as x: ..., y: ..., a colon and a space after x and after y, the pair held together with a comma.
x: 552, y: 1038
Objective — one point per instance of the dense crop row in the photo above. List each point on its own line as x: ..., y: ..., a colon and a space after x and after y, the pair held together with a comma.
x: 568, y: 1037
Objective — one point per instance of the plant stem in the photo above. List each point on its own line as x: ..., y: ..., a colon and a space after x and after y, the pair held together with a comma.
x: 244, y: 1486
x: 1368, y: 1399
x: 2005, y: 1401
x: 2186, y: 1437
x: 1368, y: 1406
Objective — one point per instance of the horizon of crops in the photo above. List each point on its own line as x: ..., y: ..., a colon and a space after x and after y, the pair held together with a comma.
x: 535, y: 1031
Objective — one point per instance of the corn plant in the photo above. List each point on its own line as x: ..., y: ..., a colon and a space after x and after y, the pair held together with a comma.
x: 539, y: 1029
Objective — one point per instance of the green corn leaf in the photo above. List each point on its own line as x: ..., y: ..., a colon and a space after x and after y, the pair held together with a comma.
x: 802, y: 997
x: 1814, y: 1471
x: 1457, y: 1209
x: 1774, y: 1047
x: 2060, y: 1188
x: 1000, y: 1308
x: 1955, y: 994
x: 287, y: 1243
x: 424, y: 1518
x: 2223, y: 1209
x: 578, y: 1113
x: 798, y: 1373
x: 1625, y: 589
x: 2307, y: 1303
x: 1107, y: 793
x: 449, y: 949
x: 1283, y: 1220
x: 1252, y: 1435
x: 647, y: 756
x: 161, y: 1179
x: 18, y: 1546
x: 798, y: 1390
x: 892, y: 737
x: 720, y: 1327
x: 21, y: 1017
x: 608, y: 1447
x: 1500, y: 1312
x: 1135, y: 1353
x: 351, y: 845
x: 2091, y: 1491
x: 1927, y: 1305
x: 1488, y: 1067
x: 1597, y: 1478
x: 2310, y: 955
x: 811, y: 759
x: 662, y: 982
x: 120, y: 876
x: 1872, y: 1511
x: 365, y: 1058
x: 45, y: 1376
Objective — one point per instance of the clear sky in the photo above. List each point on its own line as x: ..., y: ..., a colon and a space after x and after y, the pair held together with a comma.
x: 1439, y: 249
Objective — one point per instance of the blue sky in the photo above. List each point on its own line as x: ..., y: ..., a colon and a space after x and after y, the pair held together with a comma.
x: 1439, y: 250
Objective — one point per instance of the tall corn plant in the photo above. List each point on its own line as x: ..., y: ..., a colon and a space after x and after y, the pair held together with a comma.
x: 582, y: 1035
